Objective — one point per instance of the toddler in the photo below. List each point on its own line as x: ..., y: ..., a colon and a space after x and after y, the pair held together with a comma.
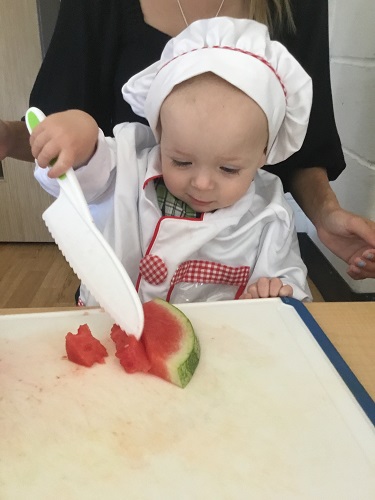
x: 184, y: 202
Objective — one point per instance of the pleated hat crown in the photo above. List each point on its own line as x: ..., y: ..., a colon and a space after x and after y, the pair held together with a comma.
x: 241, y: 52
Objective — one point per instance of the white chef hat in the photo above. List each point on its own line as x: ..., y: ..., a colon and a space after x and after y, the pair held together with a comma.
x: 239, y: 51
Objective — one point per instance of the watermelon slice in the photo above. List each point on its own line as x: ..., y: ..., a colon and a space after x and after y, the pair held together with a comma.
x: 170, y: 342
x: 84, y: 349
x: 168, y: 347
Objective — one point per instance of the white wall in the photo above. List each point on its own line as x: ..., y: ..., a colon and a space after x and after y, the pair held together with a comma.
x: 352, y: 46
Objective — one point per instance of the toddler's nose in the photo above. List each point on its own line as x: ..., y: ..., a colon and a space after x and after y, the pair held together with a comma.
x: 202, y: 180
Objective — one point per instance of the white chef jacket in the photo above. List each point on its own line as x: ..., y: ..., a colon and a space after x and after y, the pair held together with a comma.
x: 214, y: 257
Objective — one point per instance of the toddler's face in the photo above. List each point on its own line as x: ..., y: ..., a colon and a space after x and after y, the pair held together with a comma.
x: 213, y: 140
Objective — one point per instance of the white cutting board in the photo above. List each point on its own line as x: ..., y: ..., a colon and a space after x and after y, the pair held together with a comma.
x: 266, y: 416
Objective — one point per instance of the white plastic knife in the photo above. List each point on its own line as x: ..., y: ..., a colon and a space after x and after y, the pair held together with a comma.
x: 69, y: 221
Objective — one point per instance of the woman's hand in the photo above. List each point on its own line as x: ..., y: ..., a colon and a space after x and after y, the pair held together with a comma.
x: 267, y: 287
x: 352, y: 238
x: 349, y: 236
x: 69, y: 137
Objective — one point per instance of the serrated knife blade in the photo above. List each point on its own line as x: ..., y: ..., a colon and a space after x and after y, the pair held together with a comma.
x: 93, y: 260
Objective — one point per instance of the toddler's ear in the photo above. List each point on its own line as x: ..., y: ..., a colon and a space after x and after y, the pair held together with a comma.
x: 158, y: 129
x: 262, y: 159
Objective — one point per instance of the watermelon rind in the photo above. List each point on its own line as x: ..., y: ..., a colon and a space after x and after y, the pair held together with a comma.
x: 182, y: 364
x: 187, y: 368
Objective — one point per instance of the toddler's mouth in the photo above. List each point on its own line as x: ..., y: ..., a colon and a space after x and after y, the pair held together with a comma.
x: 200, y: 202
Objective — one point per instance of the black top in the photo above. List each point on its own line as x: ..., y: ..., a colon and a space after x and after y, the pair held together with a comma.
x: 99, y: 44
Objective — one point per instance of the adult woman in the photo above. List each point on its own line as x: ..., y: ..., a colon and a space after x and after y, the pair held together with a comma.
x: 98, y: 45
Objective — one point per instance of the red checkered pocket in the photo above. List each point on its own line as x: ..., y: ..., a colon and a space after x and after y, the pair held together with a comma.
x: 153, y: 269
x: 207, y: 272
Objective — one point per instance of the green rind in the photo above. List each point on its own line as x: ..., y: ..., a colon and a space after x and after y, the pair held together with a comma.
x: 187, y: 369
x: 182, y: 365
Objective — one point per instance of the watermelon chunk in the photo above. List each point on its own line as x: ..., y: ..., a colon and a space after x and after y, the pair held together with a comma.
x: 131, y: 353
x: 84, y: 349
x: 119, y: 337
x: 170, y: 342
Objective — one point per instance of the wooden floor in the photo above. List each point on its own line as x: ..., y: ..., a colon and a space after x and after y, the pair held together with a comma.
x: 37, y: 275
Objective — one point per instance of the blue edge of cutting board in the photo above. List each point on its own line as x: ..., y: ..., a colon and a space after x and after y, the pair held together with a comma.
x: 357, y: 389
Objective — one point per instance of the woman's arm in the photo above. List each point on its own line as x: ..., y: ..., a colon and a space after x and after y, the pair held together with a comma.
x: 14, y: 141
x: 306, y: 174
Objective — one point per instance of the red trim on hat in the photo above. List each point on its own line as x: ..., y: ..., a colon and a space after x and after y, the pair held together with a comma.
x: 234, y: 49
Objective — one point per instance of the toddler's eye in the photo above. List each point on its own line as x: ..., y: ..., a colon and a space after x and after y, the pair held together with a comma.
x: 181, y: 163
x: 230, y: 170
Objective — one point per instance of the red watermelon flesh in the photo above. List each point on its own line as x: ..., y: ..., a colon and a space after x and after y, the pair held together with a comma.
x: 84, y: 349
x: 170, y: 342
x: 119, y: 337
x: 130, y: 352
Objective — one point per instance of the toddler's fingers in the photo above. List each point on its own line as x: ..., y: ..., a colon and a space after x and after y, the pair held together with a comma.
x: 46, y: 156
x: 286, y: 291
x: 252, y: 290
x: 61, y: 165
x: 275, y: 286
x: 43, y: 148
x: 263, y: 288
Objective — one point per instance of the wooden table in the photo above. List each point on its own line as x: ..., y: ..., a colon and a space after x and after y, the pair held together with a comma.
x: 350, y: 326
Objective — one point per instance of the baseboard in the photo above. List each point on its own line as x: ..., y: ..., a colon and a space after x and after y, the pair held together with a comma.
x: 325, y: 277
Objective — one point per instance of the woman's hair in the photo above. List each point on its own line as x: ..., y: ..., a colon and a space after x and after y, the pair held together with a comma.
x: 273, y: 13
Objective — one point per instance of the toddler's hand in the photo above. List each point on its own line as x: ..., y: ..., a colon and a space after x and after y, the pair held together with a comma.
x: 267, y: 287
x: 70, y: 136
